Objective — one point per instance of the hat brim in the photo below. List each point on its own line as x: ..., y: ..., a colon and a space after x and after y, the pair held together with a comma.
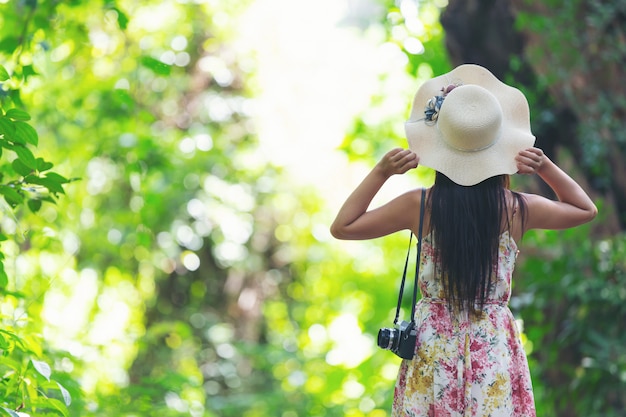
x: 470, y: 168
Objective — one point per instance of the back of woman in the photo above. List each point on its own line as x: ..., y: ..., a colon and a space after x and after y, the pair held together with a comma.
x: 474, y: 131
x: 468, y: 223
x: 468, y: 351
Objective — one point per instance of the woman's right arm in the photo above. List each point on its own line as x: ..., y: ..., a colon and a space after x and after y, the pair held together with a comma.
x: 574, y: 207
x: 355, y: 221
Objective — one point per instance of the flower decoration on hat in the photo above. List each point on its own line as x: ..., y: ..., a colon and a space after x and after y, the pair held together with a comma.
x: 433, y: 106
x: 477, y: 134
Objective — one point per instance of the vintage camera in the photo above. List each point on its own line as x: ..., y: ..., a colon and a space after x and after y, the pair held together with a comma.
x: 400, y: 340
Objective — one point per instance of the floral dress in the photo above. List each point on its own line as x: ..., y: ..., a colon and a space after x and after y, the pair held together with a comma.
x: 465, y: 366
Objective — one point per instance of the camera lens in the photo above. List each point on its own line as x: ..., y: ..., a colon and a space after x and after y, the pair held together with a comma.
x: 387, y: 338
x: 383, y: 338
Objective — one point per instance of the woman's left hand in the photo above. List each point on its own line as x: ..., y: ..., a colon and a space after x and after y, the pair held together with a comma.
x: 530, y: 161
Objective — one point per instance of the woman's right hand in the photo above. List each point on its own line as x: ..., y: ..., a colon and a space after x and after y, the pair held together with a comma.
x: 354, y: 221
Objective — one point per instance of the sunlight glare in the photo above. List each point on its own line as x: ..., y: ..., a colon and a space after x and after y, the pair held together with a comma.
x: 66, y: 315
x: 154, y: 17
x: 351, y: 346
x: 179, y: 43
x: 414, y: 46
x: 217, y: 68
x: 315, y: 74
x: 191, y: 261
x: 353, y: 389
x: 317, y: 334
x: 314, y: 77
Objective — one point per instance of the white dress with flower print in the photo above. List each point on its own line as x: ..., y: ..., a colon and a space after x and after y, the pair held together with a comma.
x: 465, y: 367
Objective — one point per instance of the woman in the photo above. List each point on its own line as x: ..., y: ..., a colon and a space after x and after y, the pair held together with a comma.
x: 474, y: 131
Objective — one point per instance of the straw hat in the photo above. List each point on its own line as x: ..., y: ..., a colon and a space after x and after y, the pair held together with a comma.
x: 469, y: 125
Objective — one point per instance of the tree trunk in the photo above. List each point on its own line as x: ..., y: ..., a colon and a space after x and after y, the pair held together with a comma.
x: 568, y: 62
x: 567, y: 101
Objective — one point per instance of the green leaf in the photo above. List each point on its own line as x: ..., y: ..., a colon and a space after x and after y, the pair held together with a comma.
x: 25, y: 133
x: 56, y: 177
x: 34, y: 205
x: 26, y: 156
x: 43, y: 368
x: 17, y: 114
x: 48, y: 403
x: 4, y: 279
x: 12, y: 336
x: 28, y: 71
x: 67, y: 398
x: 7, y: 128
x: 11, y: 195
x: 9, y: 412
x: 124, y: 98
x: 4, y: 74
x: 9, y: 43
x: 15, y: 294
x: 122, y: 19
x: 9, y: 335
x: 15, y: 96
x: 50, y: 183
x: 20, y: 168
x: 58, y: 405
x: 155, y: 65
x: 43, y: 165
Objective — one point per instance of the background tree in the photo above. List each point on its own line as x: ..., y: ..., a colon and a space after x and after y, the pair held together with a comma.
x: 184, y: 274
x: 27, y: 382
x: 566, y: 57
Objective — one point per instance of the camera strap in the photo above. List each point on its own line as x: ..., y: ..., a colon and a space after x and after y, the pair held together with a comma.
x: 417, y: 266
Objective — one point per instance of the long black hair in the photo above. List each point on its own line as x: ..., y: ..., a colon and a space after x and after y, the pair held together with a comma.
x: 466, y: 224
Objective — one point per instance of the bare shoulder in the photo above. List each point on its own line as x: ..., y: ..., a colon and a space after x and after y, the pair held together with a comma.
x: 413, y: 205
x: 515, y: 216
x: 545, y: 213
x: 536, y: 203
x: 414, y: 195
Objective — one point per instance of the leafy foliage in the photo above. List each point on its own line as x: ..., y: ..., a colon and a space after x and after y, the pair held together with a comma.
x: 186, y: 275
x: 26, y: 180
x: 571, y: 298
x: 578, y: 298
x: 585, y: 80
x: 567, y: 291
x: 27, y: 383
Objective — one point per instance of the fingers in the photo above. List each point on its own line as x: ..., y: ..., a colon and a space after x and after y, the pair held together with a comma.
x: 394, y: 152
x: 401, y: 160
x: 409, y: 163
x: 407, y: 159
x: 529, y: 161
x: 397, y: 154
x: 532, y: 153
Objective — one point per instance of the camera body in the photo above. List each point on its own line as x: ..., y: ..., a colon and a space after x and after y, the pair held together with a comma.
x: 400, y: 340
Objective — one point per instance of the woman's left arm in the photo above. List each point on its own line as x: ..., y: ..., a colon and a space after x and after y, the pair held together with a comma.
x: 355, y: 222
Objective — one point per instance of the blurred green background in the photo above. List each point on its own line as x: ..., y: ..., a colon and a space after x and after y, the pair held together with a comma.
x: 169, y: 171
